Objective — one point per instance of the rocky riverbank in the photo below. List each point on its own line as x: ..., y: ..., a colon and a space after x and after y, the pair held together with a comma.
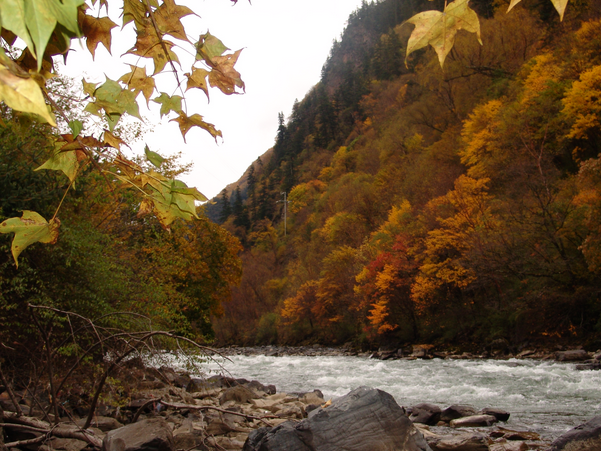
x: 171, y: 411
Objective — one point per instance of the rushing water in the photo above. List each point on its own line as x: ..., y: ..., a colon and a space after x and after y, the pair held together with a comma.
x: 546, y: 397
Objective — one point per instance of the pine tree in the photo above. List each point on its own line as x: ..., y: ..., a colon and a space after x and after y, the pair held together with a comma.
x: 226, y: 208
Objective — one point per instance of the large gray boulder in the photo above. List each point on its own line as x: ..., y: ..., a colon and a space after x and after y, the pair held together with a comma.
x: 153, y: 434
x: 366, y: 419
x: 586, y: 437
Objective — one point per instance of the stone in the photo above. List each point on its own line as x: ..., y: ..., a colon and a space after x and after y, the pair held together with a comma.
x: 311, y: 398
x: 239, y: 394
x: 425, y: 413
x: 456, y: 411
x: 586, y: 437
x: 64, y: 444
x: 576, y: 355
x: 365, y: 419
x: 474, y: 421
x: 105, y: 424
x: 499, y: 414
x: 463, y: 442
x: 153, y: 434
x: 508, y: 446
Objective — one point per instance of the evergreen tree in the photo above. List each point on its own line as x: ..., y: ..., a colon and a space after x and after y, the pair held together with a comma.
x: 226, y: 208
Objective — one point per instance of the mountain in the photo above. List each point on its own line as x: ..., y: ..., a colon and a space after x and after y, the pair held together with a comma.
x: 453, y: 206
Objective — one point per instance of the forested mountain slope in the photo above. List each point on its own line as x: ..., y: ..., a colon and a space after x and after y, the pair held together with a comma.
x: 424, y: 205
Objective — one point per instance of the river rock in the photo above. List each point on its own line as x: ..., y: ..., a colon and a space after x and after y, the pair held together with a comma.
x: 366, y: 419
x: 239, y: 394
x: 456, y: 411
x: 586, y: 437
x: 499, y: 414
x: 463, y: 442
x: 508, y: 446
x: 425, y: 413
x: 474, y: 421
x: 576, y: 355
x: 153, y: 434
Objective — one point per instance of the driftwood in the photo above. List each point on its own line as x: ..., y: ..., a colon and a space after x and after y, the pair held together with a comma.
x: 24, y: 423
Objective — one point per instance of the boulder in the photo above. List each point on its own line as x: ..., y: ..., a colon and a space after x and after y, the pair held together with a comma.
x: 239, y: 394
x: 456, y: 411
x: 425, y: 413
x: 463, y: 442
x: 586, y: 437
x: 153, y: 434
x: 576, y: 355
x: 474, y: 421
x: 366, y: 419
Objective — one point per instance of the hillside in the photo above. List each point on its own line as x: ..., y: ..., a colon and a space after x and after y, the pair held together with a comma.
x: 449, y: 206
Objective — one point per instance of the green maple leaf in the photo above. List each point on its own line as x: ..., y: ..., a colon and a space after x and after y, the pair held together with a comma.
x: 153, y: 157
x: 173, y: 199
x: 168, y: 103
x: 34, y: 21
x: 65, y: 161
x: 28, y: 229
x: 439, y: 29
x: 208, y: 47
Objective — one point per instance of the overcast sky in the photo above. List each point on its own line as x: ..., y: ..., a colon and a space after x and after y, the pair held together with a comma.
x: 285, y: 42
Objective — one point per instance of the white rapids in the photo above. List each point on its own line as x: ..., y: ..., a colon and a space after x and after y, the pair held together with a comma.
x: 546, y: 397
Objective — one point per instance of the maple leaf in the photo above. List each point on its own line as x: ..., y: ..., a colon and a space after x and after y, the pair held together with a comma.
x: 138, y: 81
x: 187, y: 122
x: 112, y: 140
x: 439, y: 29
x: 115, y: 101
x: 148, y: 45
x: 134, y: 10
x: 560, y: 6
x: 29, y: 229
x: 21, y: 92
x: 96, y: 30
x: 198, y: 79
x: 168, y: 17
x: 168, y: 103
x: 65, y: 161
x: 34, y: 21
x: 153, y: 157
x: 224, y: 76
x: 208, y: 47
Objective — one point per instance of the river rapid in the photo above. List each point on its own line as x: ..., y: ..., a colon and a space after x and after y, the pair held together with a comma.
x: 542, y: 396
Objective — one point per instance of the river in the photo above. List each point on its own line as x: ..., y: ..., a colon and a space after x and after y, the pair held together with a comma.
x: 542, y: 396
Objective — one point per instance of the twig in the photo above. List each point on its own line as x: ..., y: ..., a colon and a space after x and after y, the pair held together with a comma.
x: 193, y: 407
x: 10, y: 393
x: 20, y: 443
x: 142, y: 407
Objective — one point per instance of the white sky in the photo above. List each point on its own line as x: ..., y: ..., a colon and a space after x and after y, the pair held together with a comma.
x: 286, y: 43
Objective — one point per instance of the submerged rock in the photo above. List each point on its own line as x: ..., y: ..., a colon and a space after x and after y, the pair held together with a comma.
x: 366, y: 419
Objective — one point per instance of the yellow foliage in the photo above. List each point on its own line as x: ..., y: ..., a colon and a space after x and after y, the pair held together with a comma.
x: 582, y: 103
x: 480, y: 133
x: 385, y: 278
x: 546, y: 69
x: 378, y: 317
